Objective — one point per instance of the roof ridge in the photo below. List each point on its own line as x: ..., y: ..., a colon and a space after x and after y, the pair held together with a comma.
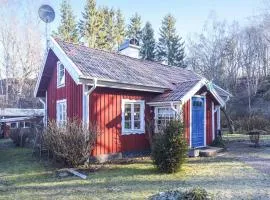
x: 118, y: 54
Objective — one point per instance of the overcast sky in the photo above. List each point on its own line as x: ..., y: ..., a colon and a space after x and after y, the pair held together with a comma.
x: 190, y: 14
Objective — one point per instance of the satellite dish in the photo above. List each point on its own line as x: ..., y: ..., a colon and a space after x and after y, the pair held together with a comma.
x: 46, y: 13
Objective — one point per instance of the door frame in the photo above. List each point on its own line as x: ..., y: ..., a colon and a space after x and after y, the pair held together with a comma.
x: 204, y: 121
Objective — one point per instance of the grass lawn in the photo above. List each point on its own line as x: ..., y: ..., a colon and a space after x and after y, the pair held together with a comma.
x: 23, y: 177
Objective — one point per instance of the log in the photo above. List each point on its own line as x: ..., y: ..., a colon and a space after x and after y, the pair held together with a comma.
x: 72, y: 171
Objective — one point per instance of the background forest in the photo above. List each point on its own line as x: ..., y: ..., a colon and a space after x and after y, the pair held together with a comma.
x: 233, y: 56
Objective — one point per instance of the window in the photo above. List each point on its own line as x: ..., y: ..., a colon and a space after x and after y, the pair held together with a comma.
x: 163, y: 115
x: 132, y: 116
x: 60, y: 75
x: 27, y: 125
x: 13, y: 125
x: 61, y: 111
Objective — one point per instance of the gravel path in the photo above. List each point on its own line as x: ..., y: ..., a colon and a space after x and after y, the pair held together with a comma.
x: 258, y: 158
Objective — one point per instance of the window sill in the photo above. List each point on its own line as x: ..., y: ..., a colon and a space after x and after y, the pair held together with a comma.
x: 132, y: 132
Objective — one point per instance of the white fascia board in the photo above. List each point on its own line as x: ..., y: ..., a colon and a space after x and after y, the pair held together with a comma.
x: 229, y: 94
x: 163, y: 103
x: 193, y: 90
x: 118, y: 85
x: 218, y: 98
x: 40, y: 73
x: 72, y: 69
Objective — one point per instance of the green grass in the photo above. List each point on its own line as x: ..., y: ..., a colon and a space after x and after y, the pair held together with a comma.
x: 23, y: 177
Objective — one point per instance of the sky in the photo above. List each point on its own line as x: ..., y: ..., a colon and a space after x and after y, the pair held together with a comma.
x: 190, y: 14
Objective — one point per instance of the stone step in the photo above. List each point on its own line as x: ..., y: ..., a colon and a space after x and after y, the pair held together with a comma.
x: 210, y: 151
x: 205, y: 152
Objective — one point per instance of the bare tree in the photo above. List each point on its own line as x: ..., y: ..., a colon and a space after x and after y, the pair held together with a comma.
x: 20, y: 51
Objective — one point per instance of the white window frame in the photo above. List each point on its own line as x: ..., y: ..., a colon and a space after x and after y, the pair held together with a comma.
x: 59, y: 84
x: 142, y: 117
x: 156, y: 115
x: 61, y: 104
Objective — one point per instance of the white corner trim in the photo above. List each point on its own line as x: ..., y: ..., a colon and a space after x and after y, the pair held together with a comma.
x: 213, y: 121
x: 142, y: 117
x: 218, y: 118
x: 72, y: 69
x: 205, y: 119
x: 190, y: 123
x: 86, y: 102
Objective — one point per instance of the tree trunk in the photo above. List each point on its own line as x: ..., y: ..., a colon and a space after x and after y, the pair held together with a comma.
x: 229, y: 121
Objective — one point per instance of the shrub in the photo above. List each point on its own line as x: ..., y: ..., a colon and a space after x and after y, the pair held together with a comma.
x: 72, y: 141
x: 169, y: 148
x: 193, y: 194
x: 21, y: 136
x: 254, y: 137
x: 197, y: 194
x: 218, y: 142
x: 253, y: 123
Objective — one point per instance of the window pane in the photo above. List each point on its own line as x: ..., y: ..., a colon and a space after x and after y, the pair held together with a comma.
x: 137, y: 124
x: 137, y: 108
x: 128, y: 112
x: 127, y: 124
x: 127, y: 116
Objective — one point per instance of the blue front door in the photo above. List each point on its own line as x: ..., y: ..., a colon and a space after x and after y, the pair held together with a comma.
x: 197, y: 129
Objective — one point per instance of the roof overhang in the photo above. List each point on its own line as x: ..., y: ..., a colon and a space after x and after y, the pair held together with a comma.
x: 203, y: 82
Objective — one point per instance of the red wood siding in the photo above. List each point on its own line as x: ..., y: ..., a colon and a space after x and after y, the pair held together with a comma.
x: 186, y: 120
x: 105, y: 111
x: 71, y: 92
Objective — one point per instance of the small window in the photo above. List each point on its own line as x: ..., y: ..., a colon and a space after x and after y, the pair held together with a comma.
x: 163, y: 115
x: 61, y: 112
x: 60, y: 75
x: 13, y: 125
x: 132, y: 116
x: 27, y: 124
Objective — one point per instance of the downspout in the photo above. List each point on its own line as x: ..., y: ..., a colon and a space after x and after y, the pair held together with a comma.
x: 92, y: 88
x: 173, y: 108
x: 87, y: 101
x: 45, y: 113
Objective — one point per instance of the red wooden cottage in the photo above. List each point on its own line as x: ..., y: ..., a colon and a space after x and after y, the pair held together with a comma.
x: 120, y: 93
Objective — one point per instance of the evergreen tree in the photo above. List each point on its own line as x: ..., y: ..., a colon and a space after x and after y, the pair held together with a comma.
x: 67, y: 29
x: 106, y: 37
x: 120, y: 27
x: 147, y: 51
x: 110, y: 23
x: 170, y: 49
x: 101, y: 36
x: 89, y: 25
x: 134, y: 28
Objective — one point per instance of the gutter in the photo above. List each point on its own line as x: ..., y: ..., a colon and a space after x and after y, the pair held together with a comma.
x: 86, y: 114
x: 92, y: 88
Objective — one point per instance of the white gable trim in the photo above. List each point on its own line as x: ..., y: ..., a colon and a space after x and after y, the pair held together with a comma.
x: 40, y: 73
x: 197, y: 87
x: 72, y: 69
x: 193, y: 90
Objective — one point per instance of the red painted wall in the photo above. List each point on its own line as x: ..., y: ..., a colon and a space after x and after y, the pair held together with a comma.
x: 186, y: 120
x: 71, y: 92
x: 105, y: 111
